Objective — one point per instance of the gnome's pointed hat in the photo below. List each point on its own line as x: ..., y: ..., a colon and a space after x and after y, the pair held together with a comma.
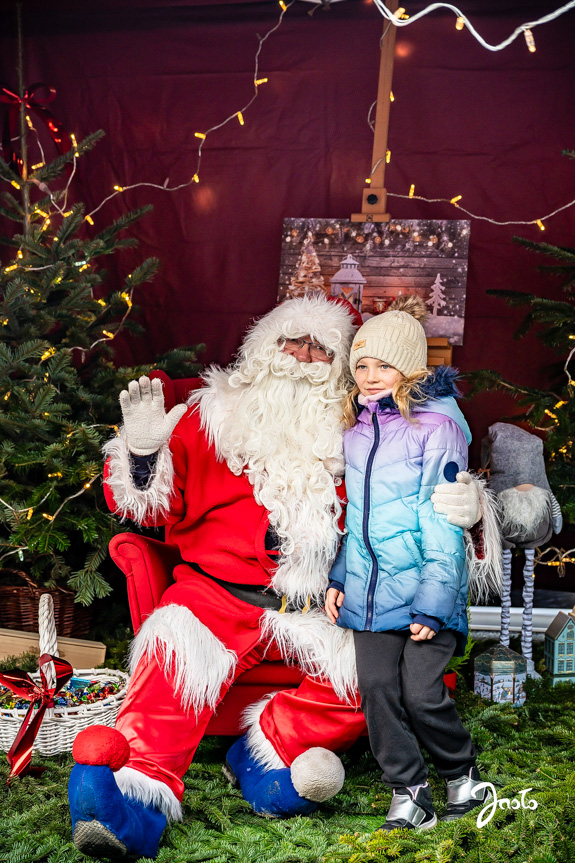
x: 514, y: 456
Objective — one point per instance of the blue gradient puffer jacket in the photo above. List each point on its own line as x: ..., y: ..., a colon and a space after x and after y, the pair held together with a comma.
x: 401, y: 560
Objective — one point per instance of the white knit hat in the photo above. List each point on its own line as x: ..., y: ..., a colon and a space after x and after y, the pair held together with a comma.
x: 395, y: 337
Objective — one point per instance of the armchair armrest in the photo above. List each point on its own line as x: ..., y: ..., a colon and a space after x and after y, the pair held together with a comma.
x: 148, y: 565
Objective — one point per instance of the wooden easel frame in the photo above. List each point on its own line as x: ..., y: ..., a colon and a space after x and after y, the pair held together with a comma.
x: 374, y: 203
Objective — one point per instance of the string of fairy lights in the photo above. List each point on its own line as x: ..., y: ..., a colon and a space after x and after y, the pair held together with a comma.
x: 399, y: 18
x: 559, y: 558
x: 59, y: 200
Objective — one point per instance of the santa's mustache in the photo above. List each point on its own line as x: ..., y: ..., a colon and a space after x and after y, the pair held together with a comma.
x: 286, y: 365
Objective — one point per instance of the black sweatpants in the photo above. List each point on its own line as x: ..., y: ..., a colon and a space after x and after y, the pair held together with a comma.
x: 404, y: 701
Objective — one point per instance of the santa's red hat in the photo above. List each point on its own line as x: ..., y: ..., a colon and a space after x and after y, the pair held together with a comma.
x: 355, y: 315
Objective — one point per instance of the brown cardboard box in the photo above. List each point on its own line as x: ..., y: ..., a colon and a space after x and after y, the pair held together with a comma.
x: 78, y: 652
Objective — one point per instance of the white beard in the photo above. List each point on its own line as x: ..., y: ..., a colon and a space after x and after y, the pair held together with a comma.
x: 279, y: 421
x: 523, y: 512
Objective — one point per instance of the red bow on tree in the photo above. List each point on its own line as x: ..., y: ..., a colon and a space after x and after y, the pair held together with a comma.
x: 33, y: 100
x: 41, y: 697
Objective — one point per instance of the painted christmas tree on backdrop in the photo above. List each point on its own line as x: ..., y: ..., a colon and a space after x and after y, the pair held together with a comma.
x: 307, y: 276
x: 58, y: 382
x: 437, y: 296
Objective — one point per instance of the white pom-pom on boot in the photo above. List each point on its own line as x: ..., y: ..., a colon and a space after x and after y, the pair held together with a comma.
x: 317, y: 774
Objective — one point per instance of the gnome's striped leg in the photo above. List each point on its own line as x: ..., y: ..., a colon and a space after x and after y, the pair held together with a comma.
x: 505, y: 598
x: 528, y: 590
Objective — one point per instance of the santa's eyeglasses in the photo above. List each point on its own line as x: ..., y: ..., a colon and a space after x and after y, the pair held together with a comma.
x: 317, y: 352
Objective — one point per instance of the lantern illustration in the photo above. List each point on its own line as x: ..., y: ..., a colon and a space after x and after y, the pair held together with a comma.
x: 500, y: 675
x: 348, y: 282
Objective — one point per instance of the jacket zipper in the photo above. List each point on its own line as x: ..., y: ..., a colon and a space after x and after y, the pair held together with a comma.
x: 366, y: 508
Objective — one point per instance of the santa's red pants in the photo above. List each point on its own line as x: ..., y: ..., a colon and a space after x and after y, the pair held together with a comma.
x: 163, y: 737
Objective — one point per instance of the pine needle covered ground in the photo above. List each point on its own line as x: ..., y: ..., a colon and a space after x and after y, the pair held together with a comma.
x: 531, y: 747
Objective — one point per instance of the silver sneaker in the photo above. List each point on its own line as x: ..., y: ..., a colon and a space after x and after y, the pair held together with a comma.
x: 411, y: 810
x: 462, y: 795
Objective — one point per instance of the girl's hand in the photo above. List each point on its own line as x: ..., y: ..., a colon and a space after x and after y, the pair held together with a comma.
x: 333, y: 601
x: 420, y: 632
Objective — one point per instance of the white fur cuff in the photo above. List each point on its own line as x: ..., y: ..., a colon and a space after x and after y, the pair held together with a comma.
x: 259, y: 746
x: 139, y: 504
x: 149, y: 791
x: 320, y: 648
x: 194, y: 661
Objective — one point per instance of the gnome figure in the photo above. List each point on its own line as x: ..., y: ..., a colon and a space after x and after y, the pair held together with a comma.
x: 529, y: 514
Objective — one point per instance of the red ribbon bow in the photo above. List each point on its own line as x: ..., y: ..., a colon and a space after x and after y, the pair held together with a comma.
x: 33, y: 100
x: 41, y: 697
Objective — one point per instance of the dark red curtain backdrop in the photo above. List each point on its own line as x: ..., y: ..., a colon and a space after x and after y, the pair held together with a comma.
x: 488, y: 126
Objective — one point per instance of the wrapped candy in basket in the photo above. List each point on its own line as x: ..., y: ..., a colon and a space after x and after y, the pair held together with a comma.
x: 91, y: 696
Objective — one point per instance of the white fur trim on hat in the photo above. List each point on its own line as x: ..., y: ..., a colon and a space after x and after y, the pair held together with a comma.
x: 327, y: 322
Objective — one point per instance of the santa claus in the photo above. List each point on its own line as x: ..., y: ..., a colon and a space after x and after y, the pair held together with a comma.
x: 246, y: 479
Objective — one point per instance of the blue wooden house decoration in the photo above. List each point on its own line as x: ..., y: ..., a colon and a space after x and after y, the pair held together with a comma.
x: 560, y: 647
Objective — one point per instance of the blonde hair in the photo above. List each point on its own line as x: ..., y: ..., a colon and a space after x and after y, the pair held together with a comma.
x: 406, y: 393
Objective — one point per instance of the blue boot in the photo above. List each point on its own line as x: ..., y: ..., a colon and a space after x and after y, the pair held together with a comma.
x: 107, y: 824
x: 269, y: 792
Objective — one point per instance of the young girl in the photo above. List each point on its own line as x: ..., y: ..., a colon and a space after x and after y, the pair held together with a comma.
x: 400, y: 580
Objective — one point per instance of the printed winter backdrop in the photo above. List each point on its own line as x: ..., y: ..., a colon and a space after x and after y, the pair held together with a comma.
x: 371, y: 264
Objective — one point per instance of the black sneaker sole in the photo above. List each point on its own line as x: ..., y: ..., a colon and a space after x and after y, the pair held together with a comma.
x: 466, y: 808
x: 426, y: 825
x: 95, y: 840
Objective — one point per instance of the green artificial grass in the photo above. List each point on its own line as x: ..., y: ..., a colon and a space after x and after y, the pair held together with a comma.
x: 519, y: 748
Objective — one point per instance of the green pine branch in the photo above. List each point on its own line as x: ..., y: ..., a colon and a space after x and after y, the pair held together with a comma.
x: 53, y: 170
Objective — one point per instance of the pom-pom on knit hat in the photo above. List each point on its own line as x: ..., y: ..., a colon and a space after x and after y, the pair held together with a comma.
x: 395, y: 337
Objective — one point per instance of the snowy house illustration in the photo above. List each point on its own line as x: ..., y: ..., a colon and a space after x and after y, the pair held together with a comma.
x: 348, y: 282
x: 560, y: 647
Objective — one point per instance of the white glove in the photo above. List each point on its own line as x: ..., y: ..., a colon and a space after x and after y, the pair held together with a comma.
x: 459, y: 501
x: 146, y: 424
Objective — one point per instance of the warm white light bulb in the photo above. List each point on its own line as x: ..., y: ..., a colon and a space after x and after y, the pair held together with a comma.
x: 530, y: 40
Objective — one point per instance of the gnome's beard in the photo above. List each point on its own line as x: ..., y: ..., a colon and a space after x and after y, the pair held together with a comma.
x: 523, y: 512
x: 282, y: 428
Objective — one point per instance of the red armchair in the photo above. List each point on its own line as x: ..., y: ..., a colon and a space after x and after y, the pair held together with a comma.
x: 148, y: 565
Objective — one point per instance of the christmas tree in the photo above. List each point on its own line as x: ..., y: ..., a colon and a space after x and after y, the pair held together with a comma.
x: 551, y: 410
x: 437, y: 297
x: 307, y: 276
x: 58, y: 383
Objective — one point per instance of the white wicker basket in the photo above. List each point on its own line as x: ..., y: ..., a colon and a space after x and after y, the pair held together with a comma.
x: 61, y: 724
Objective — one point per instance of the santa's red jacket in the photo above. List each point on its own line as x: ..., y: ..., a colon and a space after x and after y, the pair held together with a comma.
x: 211, y: 515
